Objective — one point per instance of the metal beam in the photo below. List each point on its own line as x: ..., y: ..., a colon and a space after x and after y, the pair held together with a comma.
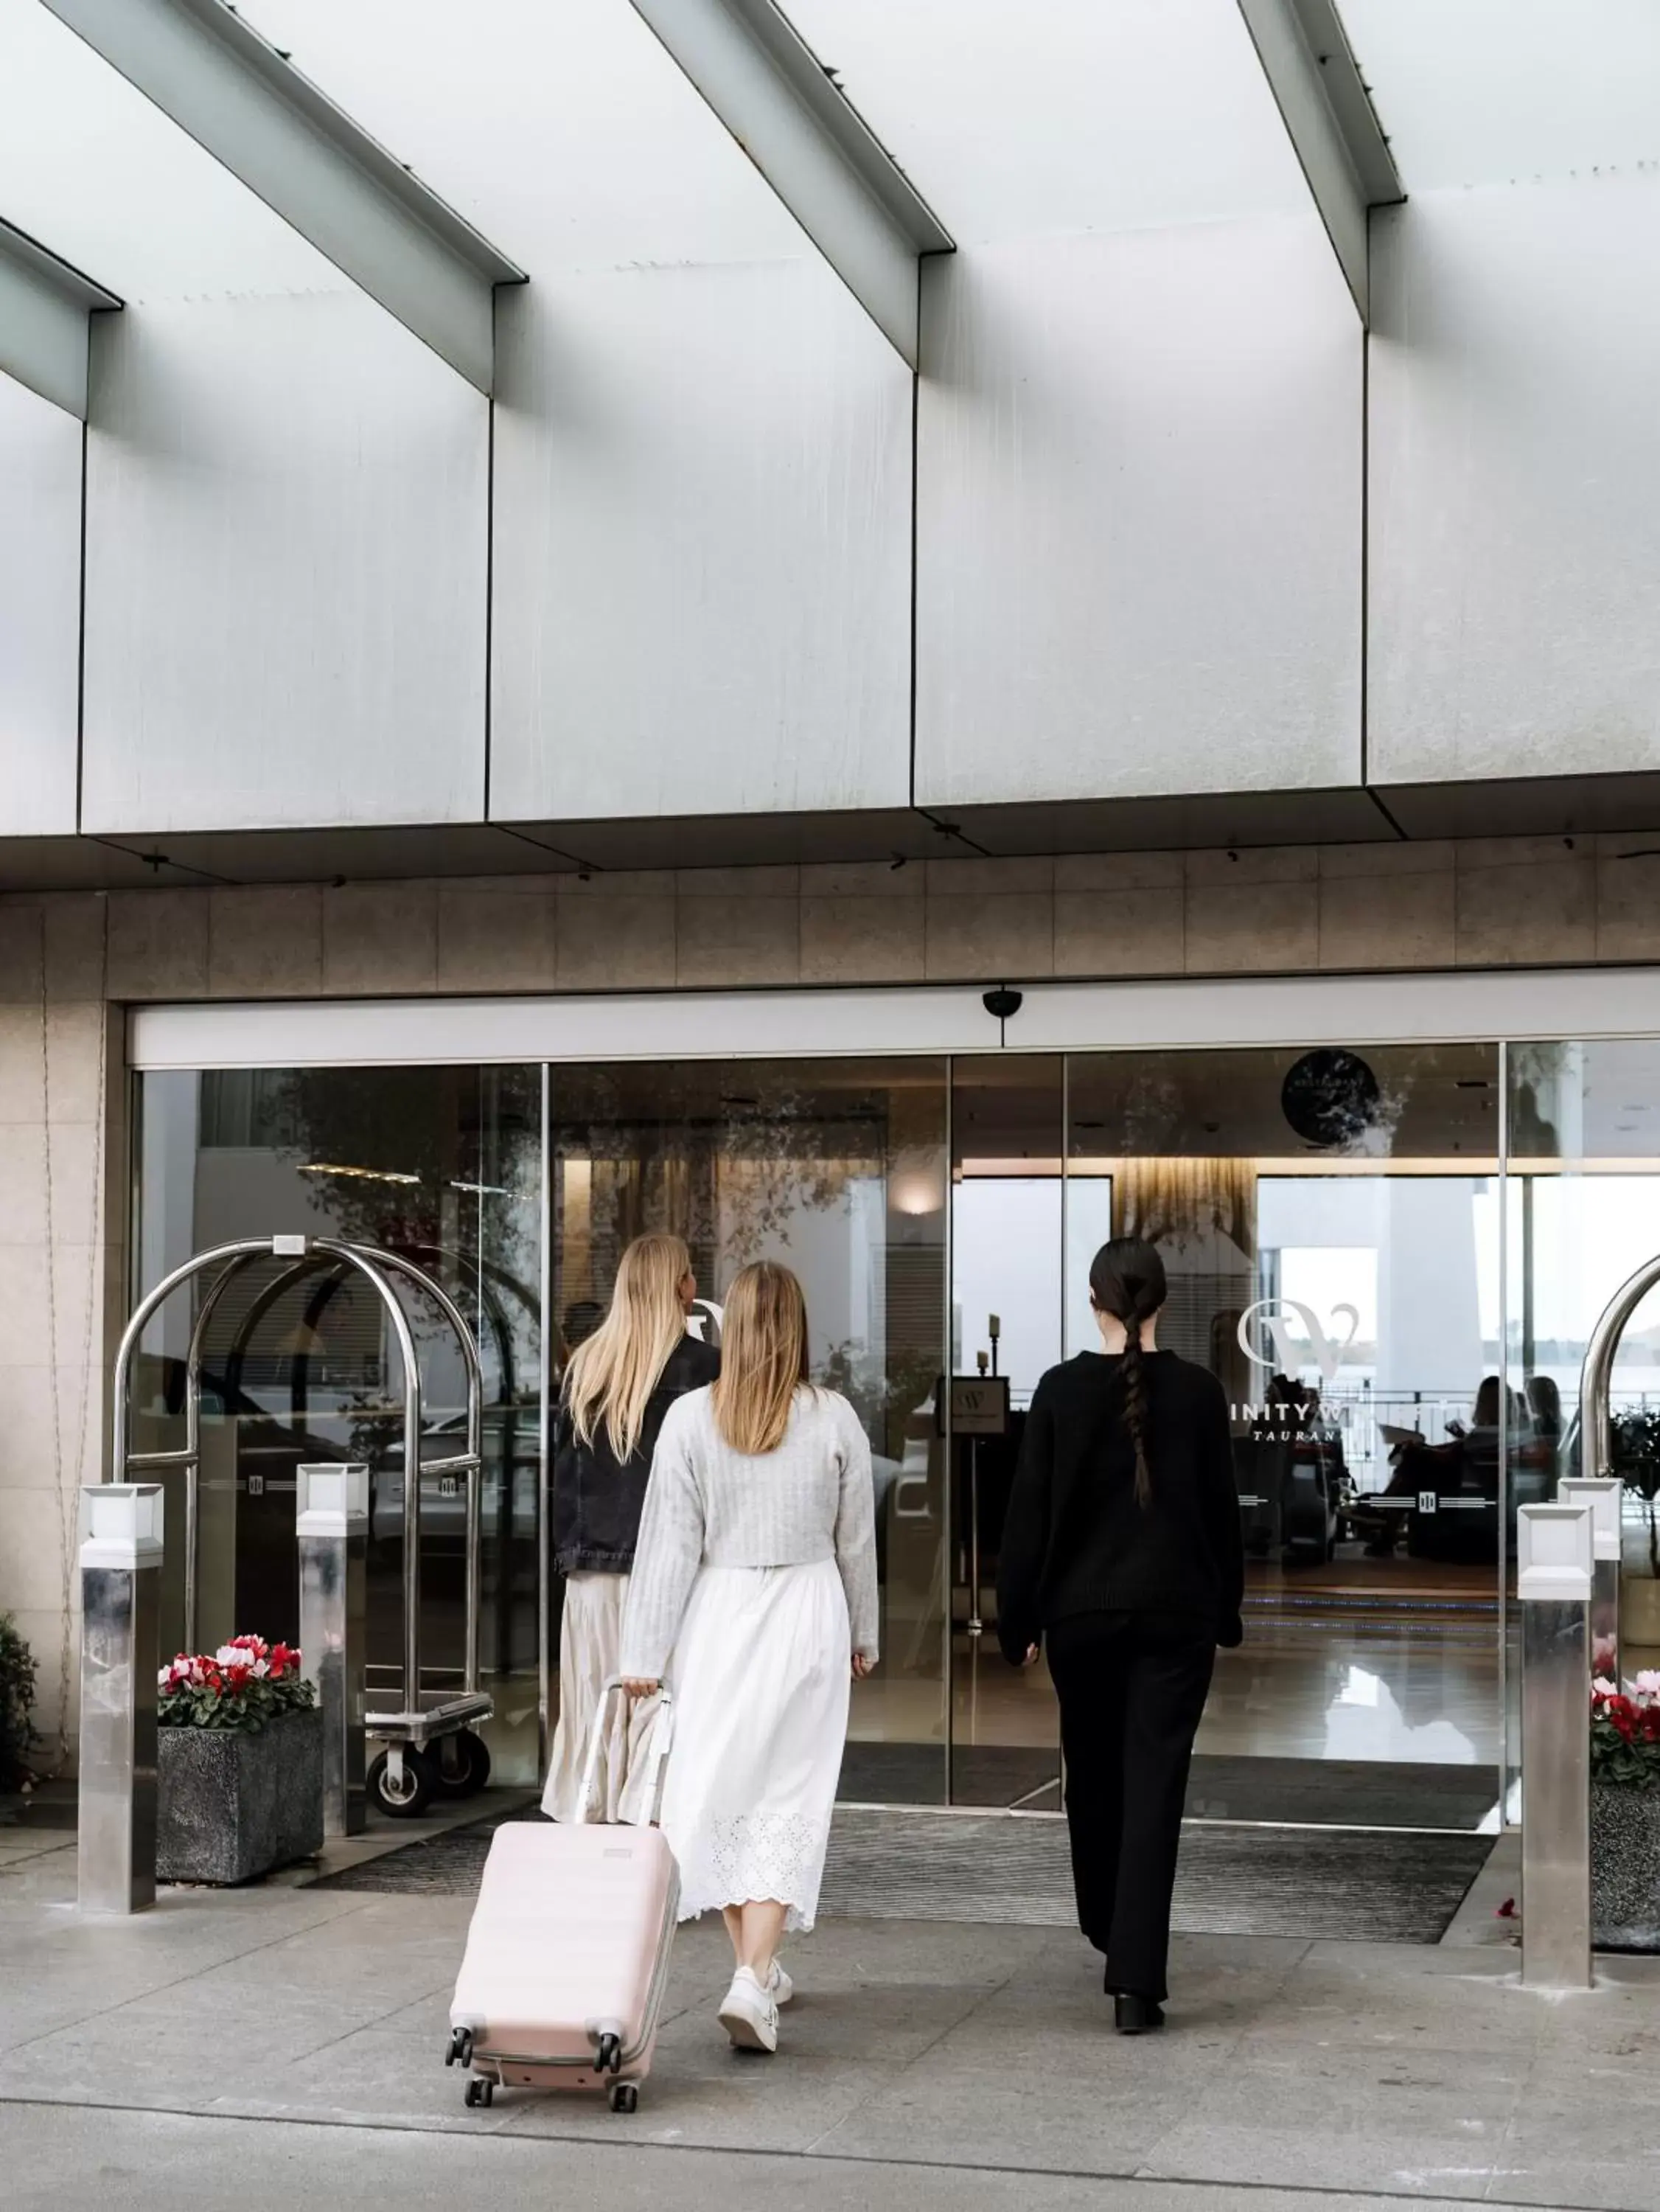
x: 814, y: 148
x: 44, y: 333
x: 241, y: 98
x: 1327, y: 110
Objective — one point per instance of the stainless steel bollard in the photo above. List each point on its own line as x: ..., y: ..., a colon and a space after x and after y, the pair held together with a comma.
x: 332, y: 1525
x: 121, y: 1528
x: 1602, y: 1494
x: 1554, y: 1583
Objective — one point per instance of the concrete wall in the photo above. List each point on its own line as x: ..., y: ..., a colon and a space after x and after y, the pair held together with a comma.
x: 1481, y: 903
x: 70, y: 961
x: 62, y: 1263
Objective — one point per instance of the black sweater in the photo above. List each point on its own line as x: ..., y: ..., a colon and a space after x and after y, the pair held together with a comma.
x: 1076, y: 1541
x: 596, y: 1499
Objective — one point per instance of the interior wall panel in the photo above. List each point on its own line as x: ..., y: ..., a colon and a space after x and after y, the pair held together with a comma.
x: 40, y: 612
x: 286, y: 571
x: 1139, y: 521
x: 1515, y: 482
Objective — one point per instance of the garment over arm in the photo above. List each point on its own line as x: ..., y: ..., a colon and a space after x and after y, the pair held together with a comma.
x: 855, y: 1531
x: 671, y: 1534
x: 1026, y: 1534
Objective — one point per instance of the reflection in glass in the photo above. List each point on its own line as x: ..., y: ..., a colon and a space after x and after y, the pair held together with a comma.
x: 837, y: 1169
x: 1583, y: 1216
x: 1330, y: 1222
x: 445, y: 1166
x: 1007, y: 1244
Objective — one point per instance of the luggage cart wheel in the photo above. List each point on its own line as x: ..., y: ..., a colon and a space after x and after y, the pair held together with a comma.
x: 404, y: 1800
x: 461, y: 1763
x: 625, y: 2097
x: 481, y: 2092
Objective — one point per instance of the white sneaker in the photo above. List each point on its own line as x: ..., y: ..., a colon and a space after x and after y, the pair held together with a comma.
x: 748, y: 2014
x: 780, y: 1987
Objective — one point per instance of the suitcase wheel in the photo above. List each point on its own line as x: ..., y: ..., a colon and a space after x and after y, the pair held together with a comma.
x: 460, y: 2052
x: 481, y: 2091
x: 625, y: 2096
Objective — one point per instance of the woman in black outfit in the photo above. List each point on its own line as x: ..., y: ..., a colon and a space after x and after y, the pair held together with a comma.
x: 619, y: 1384
x: 1122, y: 1550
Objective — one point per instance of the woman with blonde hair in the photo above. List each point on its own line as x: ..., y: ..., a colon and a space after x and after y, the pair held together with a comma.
x: 621, y: 1382
x: 757, y: 1571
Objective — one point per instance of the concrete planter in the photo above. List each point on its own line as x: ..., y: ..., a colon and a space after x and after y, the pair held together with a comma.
x: 1625, y: 1867
x: 234, y: 1805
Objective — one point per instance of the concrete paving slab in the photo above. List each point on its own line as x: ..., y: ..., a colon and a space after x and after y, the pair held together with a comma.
x: 916, y: 2048
x: 144, y: 2162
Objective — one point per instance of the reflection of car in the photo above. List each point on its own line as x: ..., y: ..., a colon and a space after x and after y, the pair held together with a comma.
x: 444, y: 1497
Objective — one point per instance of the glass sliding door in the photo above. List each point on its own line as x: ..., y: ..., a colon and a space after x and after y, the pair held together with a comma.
x: 837, y: 1169
x: 1008, y: 1295
x: 442, y: 1165
x: 1330, y: 1222
x: 1583, y: 1215
x: 1396, y: 1327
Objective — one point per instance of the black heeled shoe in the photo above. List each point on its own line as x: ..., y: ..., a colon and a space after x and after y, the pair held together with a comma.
x: 1134, y: 2016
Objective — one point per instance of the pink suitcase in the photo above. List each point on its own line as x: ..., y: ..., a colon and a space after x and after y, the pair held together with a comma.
x: 568, y: 1951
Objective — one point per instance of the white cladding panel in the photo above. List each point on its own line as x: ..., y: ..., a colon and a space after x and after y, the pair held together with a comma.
x: 286, y: 520
x: 702, y: 547
x: 1515, y: 506
x: 1021, y: 121
x: 1139, y: 516
x: 1487, y: 91
x: 703, y: 447
x: 40, y: 612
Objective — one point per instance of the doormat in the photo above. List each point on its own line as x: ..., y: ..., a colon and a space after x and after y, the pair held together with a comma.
x: 906, y: 1865
x: 1355, y: 1793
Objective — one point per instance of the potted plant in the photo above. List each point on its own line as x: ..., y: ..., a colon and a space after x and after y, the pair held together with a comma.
x: 1636, y: 1461
x: 18, y: 1735
x: 239, y: 1760
x: 1624, y: 1815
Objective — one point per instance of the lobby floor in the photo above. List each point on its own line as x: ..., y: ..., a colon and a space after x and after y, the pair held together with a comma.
x: 284, y: 2045
x: 1392, y: 1664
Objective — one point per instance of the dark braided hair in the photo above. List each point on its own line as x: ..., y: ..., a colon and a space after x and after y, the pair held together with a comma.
x: 1127, y: 1279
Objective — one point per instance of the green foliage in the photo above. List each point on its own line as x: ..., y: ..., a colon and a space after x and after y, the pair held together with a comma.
x: 1636, y: 1452
x: 18, y: 1679
x: 1634, y: 1443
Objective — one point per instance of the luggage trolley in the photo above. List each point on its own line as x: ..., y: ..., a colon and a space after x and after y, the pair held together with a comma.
x: 402, y: 1778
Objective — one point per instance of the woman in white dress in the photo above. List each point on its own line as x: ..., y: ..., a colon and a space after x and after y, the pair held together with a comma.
x: 756, y: 1569
x: 620, y: 1384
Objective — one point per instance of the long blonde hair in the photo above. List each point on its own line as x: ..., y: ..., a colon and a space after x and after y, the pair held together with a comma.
x: 612, y: 1375
x: 763, y: 1357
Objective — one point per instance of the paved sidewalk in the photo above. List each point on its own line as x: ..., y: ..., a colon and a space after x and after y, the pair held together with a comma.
x: 284, y: 2042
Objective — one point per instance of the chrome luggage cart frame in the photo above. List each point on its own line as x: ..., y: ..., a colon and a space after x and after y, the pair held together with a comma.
x: 420, y: 1722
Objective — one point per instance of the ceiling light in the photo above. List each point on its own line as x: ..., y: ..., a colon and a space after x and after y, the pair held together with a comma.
x: 360, y: 1175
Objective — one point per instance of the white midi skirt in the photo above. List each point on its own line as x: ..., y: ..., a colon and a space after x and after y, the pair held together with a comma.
x: 590, y: 1647
x: 760, y: 1680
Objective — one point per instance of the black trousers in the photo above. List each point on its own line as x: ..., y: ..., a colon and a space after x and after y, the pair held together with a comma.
x: 1132, y: 1688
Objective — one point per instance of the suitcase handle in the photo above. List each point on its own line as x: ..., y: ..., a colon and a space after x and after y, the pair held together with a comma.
x: 663, y: 1737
